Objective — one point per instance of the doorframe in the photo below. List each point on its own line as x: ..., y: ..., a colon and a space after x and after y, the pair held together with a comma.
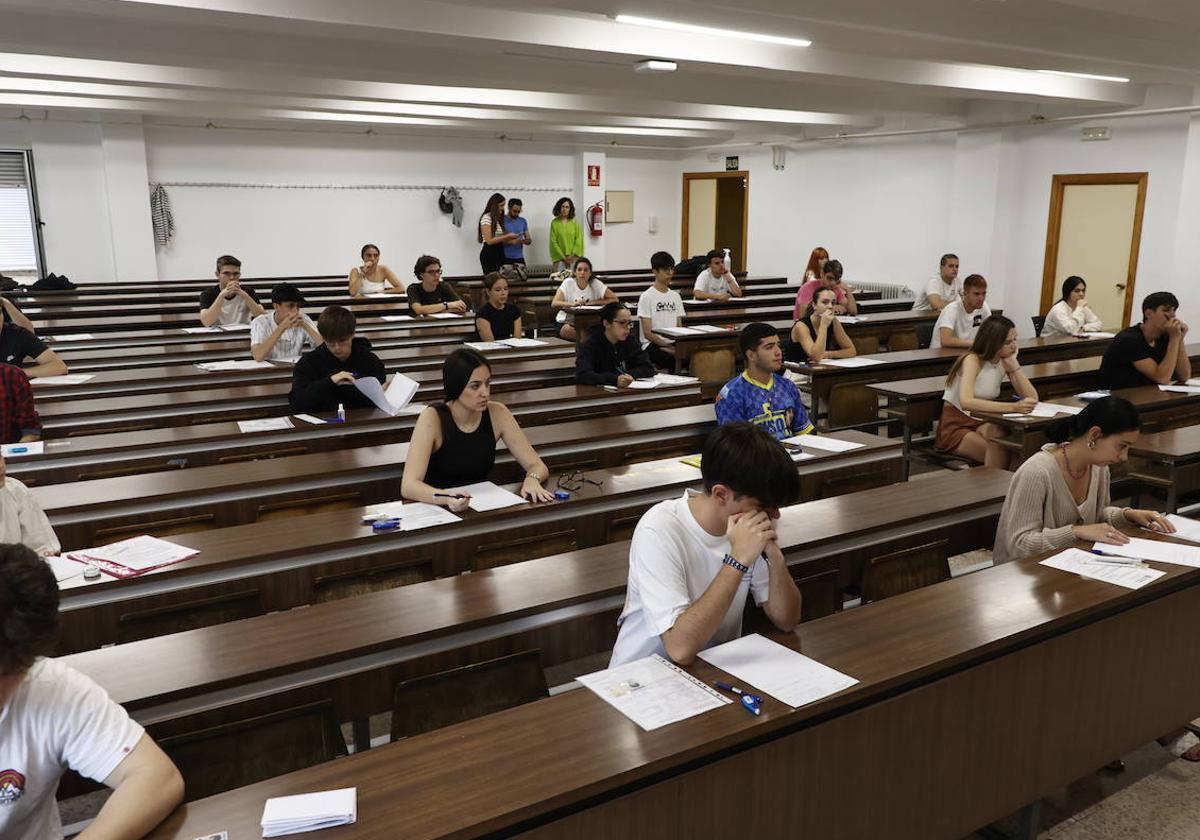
x: 688, y: 177
x: 1054, y: 228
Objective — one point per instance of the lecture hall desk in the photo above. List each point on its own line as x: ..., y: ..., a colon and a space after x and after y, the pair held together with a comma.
x: 944, y: 675
x: 1169, y: 460
x: 261, y: 566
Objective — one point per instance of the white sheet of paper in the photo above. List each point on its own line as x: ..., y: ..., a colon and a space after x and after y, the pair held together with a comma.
x: 770, y: 667
x: 234, y: 327
x: 267, y: 424
x: 445, y: 315
x: 201, y: 329
x: 1096, y: 335
x: 397, y: 317
x: 486, y: 345
x: 1175, y: 389
x: 309, y: 812
x: 308, y: 418
x: 675, y: 332
x: 142, y: 552
x: 399, y: 392
x: 233, y: 364
x: 1093, y: 395
x: 587, y: 307
x: 1193, y: 381
x: 17, y: 450
x: 1164, y: 552
x: 63, y: 568
x: 694, y: 302
x: 675, y: 379
x: 801, y: 456
x: 73, y: 337
x: 1080, y: 562
x: 1185, y: 529
x: 852, y: 362
x: 710, y: 328
x: 486, y: 495
x: 384, y: 294
x: 826, y: 444
x: 417, y: 515
x: 849, y: 319
x: 65, y: 379
x: 653, y: 692
x: 1046, y: 409
x: 644, y: 384
x: 522, y: 342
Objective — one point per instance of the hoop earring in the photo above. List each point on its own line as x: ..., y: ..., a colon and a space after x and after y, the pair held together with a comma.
x: 1091, y: 444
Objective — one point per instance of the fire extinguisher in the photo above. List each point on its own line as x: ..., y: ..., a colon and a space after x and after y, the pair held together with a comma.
x: 595, y: 219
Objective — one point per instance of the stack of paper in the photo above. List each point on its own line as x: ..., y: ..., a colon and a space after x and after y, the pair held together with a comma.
x: 825, y: 444
x: 522, y: 342
x: 414, y: 516
x: 486, y: 345
x: 1087, y: 564
x: 776, y: 670
x: 1176, y: 389
x: 135, y: 556
x: 851, y: 319
x: 653, y: 692
x: 234, y: 327
x: 691, y: 302
x: 1163, y: 552
x: 234, y: 364
x: 16, y: 450
x: 675, y: 332
x: 63, y: 568
x: 486, y: 495
x: 395, y: 399
x: 852, y: 362
x: 64, y: 379
x: 72, y: 337
x: 396, y: 293
x: 309, y: 812
x: 587, y: 307
x: 268, y: 424
x: 662, y: 380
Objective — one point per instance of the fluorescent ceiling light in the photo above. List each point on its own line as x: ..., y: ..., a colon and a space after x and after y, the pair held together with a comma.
x: 712, y: 30
x: 1121, y: 79
x: 655, y: 65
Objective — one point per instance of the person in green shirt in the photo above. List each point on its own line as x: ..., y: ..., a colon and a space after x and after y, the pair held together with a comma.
x: 566, y: 236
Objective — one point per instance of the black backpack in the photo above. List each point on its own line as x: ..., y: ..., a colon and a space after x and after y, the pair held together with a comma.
x: 53, y: 283
x: 692, y: 266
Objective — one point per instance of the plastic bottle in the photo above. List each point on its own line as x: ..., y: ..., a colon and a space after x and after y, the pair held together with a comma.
x: 728, y: 261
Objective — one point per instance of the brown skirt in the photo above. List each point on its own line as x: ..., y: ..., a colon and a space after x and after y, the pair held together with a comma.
x: 952, y: 428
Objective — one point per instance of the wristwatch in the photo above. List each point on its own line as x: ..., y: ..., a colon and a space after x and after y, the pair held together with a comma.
x: 729, y: 560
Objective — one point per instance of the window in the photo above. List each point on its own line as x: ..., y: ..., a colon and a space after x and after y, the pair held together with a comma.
x: 19, y: 247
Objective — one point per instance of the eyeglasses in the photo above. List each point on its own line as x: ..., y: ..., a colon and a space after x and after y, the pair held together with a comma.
x: 573, y: 482
x: 624, y: 323
x: 436, y: 272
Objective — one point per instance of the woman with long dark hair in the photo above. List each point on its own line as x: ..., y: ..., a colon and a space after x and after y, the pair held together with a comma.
x: 454, y: 442
x: 373, y: 277
x: 973, y: 385
x: 491, y: 234
x: 1071, y: 315
x: 819, y: 334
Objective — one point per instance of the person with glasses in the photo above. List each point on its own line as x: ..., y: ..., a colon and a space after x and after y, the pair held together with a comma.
x: 610, y: 355
x: 228, y: 302
x: 431, y: 294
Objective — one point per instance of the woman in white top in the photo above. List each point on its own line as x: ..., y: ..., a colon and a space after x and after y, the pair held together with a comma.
x: 22, y: 519
x: 1071, y: 315
x: 372, y: 278
x: 973, y: 385
x: 580, y: 289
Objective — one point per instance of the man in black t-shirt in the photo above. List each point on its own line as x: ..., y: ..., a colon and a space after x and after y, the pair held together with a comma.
x: 431, y: 295
x: 229, y: 302
x: 1150, y: 353
x: 17, y: 345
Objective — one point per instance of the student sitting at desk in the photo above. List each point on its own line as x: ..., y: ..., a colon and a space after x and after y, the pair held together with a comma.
x: 373, y: 278
x: 760, y: 395
x: 974, y: 385
x: 844, y: 303
x: 22, y: 519
x: 941, y: 289
x: 660, y: 306
x: 716, y: 282
x: 228, y: 302
x: 18, y: 344
x: 1071, y: 315
x: 324, y: 377
x: 431, y: 294
x: 819, y: 334
x: 580, y: 289
x: 1150, y: 353
x: 497, y: 318
x: 56, y: 718
x: 960, y: 320
x: 610, y: 355
x: 454, y: 442
x: 12, y: 314
x: 694, y: 560
x: 19, y: 421
x: 282, y: 334
x: 1061, y: 493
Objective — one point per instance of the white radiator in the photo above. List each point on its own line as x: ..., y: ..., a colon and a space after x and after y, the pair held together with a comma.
x: 889, y: 291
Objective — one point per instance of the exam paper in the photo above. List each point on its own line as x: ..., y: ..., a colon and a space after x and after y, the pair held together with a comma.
x: 774, y: 669
x: 1096, y: 335
x: 63, y: 568
x: 826, y: 444
x: 694, y: 301
x: 308, y: 418
x: 1164, y: 552
x: 848, y: 319
x: 396, y: 317
x: 234, y: 327
x: 445, y: 315
x: 522, y: 342
x: 675, y: 332
x: 661, y: 380
x: 1180, y: 389
x: 267, y: 424
x: 138, y: 553
x: 1084, y: 563
x: 653, y: 692
x: 17, y: 450
x: 852, y: 362
x: 486, y: 495
x: 1093, y: 395
x: 234, y: 364
x: 415, y: 515
x: 201, y: 329
x: 1045, y: 409
x: 72, y: 337
x: 486, y: 345
x: 65, y: 379
x: 284, y: 815
x: 1185, y: 529
x: 399, y: 392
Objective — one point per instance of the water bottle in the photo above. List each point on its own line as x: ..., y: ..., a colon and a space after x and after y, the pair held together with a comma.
x: 728, y: 262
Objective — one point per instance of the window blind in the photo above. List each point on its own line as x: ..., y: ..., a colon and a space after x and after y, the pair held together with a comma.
x: 18, y: 248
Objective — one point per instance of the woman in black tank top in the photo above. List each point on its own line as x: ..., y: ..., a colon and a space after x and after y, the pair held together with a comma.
x: 454, y: 444
x: 819, y: 334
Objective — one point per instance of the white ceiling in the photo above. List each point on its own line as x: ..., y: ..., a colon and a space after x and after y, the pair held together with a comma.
x: 562, y: 71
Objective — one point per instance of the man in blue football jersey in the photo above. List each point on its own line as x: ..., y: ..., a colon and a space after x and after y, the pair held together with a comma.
x: 760, y: 395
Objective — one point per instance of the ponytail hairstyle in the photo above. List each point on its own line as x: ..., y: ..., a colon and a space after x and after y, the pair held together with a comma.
x: 1112, y: 415
x: 988, y: 341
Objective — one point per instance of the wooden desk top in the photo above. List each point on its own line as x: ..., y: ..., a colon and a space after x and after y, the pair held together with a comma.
x: 1147, y: 398
x: 490, y: 774
x: 1181, y: 444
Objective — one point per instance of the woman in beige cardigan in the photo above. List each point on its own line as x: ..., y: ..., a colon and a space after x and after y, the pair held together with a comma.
x: 1060, y: 495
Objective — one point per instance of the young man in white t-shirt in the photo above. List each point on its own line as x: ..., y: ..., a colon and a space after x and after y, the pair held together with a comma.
x: 942, y: 288
x: 958, y: 323
x: 714, y: 282
x: 53, y: 718
x: 282, y: 334
x: 660, y: 306
x: 695, y: 559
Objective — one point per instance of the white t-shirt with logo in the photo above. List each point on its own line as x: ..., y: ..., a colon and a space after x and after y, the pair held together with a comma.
x: 594, y: 290
x: 672, y: 562
x: 57, y: 719
x: 705, y: 282
x: 664, y: 309
x: 289, y: 346
x: 936, y: 286
x: 964, y: 324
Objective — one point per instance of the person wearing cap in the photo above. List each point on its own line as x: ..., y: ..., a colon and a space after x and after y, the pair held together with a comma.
x: 281, y: 335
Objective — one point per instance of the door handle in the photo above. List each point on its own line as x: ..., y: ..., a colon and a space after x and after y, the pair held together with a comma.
x: 1120, y: 286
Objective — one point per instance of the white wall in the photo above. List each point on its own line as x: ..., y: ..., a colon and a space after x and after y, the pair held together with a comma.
x: 658, y: 191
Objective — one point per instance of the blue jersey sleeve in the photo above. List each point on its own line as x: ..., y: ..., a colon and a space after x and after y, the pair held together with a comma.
x: 801, y: 425
x: 726, y: 405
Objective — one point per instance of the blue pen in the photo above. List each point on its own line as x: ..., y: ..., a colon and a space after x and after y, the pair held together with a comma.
x: 17, y: 450
x: 724, y: 686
